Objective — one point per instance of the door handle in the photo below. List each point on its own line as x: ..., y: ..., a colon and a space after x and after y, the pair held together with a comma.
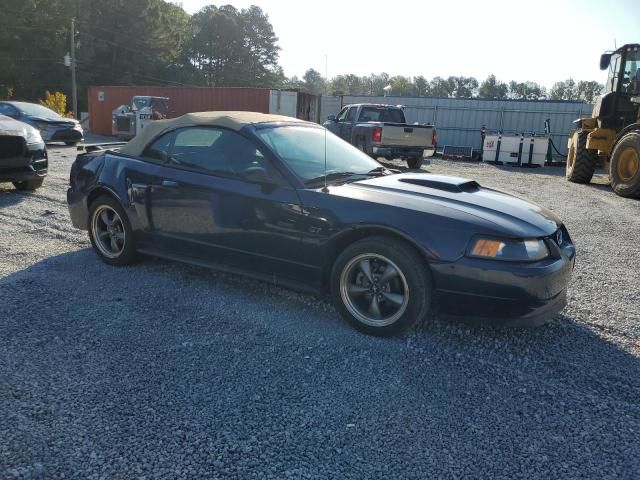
x: 169, y: 183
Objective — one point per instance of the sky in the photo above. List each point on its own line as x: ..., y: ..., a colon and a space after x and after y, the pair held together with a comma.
x: 543, y: 40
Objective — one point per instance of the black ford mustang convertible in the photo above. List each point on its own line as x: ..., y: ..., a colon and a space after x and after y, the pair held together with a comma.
x: 284, y: 200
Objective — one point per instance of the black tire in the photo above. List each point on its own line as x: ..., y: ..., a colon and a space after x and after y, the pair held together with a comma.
x: 361, y: 145
x: 125, y: 253
x: 29, y: 184
x: 353, y: 293
x: 581, y: 162
x: 624, y: 172
x: 71, y: 144
x: 415, y: 162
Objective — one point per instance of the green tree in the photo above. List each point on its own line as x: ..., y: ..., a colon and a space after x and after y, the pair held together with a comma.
x: 441, y: 87
x: 402, y: 86
x: 463, y: 87
x: 564, y: 90
x: 234, y: 48
x: 34, y: 37
x: 526, y: 90
x: 422, y: 86
x: 493, y: 88
x: 314, y: 82
x: 377, y: 82
x: 588, y: 91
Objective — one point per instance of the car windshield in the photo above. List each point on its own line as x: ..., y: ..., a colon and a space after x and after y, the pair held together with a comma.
x: 303, y: 149
x: 35, y: 110
x: 141, y: 102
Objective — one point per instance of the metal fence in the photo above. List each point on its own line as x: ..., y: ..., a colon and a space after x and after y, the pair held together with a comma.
x: 459, y: 121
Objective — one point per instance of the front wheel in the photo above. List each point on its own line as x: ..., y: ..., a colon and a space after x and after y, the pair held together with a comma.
x: 29, y: 185
x: 581, y: 162
x: 110, y: 232
x: 381, y: 286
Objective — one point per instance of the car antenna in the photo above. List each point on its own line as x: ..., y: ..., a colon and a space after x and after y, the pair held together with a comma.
x: 325, y: 189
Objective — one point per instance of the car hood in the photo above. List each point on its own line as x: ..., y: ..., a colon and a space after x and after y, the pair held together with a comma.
x: 59, y: 120
x: 11, y: 127
x: 458, y: 198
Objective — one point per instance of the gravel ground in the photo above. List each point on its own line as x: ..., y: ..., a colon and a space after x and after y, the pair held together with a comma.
x: 168, y: 371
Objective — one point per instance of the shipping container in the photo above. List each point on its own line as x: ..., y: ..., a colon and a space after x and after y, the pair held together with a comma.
x: 104, y: 99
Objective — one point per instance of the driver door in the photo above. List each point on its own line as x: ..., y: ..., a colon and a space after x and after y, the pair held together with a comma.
x: 201, y: 207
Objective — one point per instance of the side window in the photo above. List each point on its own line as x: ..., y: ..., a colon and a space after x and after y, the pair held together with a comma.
x: 341, y: 116
x: 218, y: 151
x: 158, y: 151
x: 8, y: 110
x: 351, y: 114
x: 613, y: 72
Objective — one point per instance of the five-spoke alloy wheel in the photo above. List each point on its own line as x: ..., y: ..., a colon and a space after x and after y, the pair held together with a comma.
x: 374, y: 290
x: 381, y: 285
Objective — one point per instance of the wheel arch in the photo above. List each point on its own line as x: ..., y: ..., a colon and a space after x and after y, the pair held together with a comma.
x: 634, y: 127
x: 343, y: 240
x: 100, y: 190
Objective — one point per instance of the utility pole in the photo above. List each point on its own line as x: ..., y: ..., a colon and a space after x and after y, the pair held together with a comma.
x: 74, y: 86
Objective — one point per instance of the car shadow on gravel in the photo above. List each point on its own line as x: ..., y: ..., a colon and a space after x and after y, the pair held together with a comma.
x: 10, y: 196
x: 178, y: 354
x: 83, y: 274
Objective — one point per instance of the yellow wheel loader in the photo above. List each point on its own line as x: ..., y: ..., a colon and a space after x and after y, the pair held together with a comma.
x: 612, y: 134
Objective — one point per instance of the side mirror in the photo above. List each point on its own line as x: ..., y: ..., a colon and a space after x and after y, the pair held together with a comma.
x: 331, y: 118
x: 605, y: 60
x: 257, y: 175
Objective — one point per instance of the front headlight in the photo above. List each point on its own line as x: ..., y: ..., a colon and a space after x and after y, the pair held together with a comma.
x: 33, y: 136
x: 528, y: 250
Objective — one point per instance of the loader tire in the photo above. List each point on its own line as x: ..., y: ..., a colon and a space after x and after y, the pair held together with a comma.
x: 581, y: 163
x: 624, y: 172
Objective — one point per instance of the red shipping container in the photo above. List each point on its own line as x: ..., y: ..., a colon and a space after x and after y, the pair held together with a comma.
x: 103, y: 100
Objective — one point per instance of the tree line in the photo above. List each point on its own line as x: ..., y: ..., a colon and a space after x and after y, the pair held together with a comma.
x: 453, y: 87
x: 155, y: 42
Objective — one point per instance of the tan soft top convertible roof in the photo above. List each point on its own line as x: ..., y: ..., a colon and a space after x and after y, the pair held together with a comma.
x: 231, y: 120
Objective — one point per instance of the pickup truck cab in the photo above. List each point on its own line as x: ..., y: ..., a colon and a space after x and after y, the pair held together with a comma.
x: 381, y: 131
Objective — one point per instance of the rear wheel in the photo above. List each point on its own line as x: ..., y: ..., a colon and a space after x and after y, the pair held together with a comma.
x: 381, y: 286
x: 624, y: 172
x: 581, y: 162
x: 110, y: 232
x: 415, y: 162
x: 29, y: 184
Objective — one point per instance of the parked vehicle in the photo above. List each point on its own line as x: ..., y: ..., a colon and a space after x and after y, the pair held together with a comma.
x: 23, y: 154
x: 612, y: 134
x: 382, y: 131
x: 287, y: 201
x: 127, y: 121
x: 52, y: 126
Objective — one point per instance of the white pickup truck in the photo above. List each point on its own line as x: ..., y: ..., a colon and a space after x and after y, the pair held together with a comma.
x: 382, y: 131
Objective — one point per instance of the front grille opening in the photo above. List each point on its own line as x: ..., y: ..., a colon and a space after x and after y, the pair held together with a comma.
x: 11, y: 147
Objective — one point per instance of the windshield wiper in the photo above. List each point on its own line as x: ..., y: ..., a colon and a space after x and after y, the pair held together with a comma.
x: 329, y: 177
x: 380, y: 171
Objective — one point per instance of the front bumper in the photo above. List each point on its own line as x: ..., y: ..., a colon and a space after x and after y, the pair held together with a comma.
x: 66, y: 135
x: 28, y: 163
x: 504, y: 293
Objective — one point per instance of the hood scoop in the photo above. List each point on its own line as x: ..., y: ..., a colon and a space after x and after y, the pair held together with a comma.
x: 448, y: 184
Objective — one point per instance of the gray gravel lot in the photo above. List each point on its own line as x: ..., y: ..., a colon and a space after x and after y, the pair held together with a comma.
x: 169, y: 371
